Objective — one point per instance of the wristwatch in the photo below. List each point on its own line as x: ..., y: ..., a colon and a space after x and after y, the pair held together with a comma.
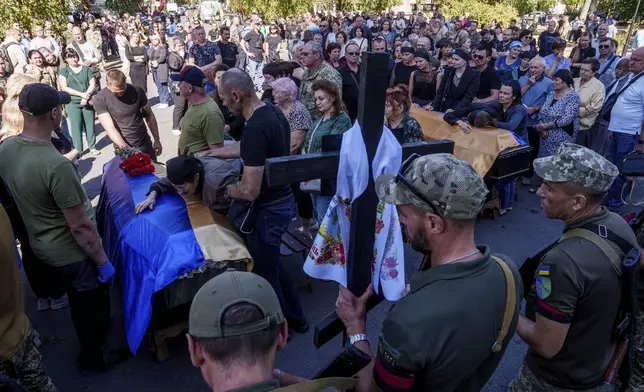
x: 353, y: 339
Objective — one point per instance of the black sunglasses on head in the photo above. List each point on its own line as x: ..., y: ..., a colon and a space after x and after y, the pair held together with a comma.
x: 400, y: 177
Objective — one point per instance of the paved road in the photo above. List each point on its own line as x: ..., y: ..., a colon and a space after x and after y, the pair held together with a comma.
x: 517, y: 235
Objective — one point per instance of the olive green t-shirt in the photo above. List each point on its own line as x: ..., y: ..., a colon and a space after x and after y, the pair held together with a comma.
x: 577, y: 284
x: 43, y: 183
x: 440, y: 336
x: 202, y: 125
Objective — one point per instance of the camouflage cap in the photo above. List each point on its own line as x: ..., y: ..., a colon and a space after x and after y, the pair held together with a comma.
x: 577, y: 164
x: 452, y: 185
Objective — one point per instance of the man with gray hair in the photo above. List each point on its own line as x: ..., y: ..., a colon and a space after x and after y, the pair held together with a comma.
x: 316, y: 69
x: 535, y: 87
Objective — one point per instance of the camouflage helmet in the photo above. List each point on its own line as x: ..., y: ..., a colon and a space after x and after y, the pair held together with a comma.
x: 574, y: 163
x: 453, y: 187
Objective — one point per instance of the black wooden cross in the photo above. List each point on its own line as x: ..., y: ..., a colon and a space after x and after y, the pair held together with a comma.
x: 295, y: 169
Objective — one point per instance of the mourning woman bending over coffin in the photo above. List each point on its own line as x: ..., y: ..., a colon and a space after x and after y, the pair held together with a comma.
x: 508, y: 113
x: 206, y: 177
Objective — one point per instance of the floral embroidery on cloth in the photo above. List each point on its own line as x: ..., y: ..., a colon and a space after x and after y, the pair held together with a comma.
x: 329, y: 254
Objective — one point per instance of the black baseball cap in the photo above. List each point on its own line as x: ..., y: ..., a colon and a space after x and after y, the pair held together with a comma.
x: 39, y: 98
x: 191, y: 75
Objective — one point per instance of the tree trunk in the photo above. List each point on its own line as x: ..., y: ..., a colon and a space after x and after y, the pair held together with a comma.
x: 584, y: 10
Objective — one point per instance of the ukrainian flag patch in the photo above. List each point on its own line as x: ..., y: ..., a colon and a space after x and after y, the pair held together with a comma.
x: 544, y: 270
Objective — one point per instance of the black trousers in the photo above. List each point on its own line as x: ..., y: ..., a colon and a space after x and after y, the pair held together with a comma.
x: 180, y: 109
x: 89, y: 303
x: 533, y: 140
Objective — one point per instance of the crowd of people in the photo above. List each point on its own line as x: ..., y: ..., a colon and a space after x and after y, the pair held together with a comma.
x: 253, y: 89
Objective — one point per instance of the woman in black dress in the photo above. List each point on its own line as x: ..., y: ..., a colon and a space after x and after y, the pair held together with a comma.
x: 422, y: 83
x: 459, y: 85
x: 402, y: 71
x: 272, y: 44
x: 138, y: 56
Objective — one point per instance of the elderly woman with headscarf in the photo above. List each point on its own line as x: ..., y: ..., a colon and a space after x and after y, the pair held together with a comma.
x: 559, y: 115
x: 505, y: 65
x: 458, y: 86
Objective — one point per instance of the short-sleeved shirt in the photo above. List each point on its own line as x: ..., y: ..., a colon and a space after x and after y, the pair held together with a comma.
x: 202, y: 125
x: 299, y: 119
x: 204, y: 54
x: 43, y: 183
x: 127, y: 112
x: 428, y: 344
x: 78, y: 81
x: 536, y: 94
x: 628, y: 111
x: 229, y: 52
x: 254, y: 43
x: 580, y: 288
x: 564, y: 63
x: 267, y: 135
x: 490, y: 80
x: 545, y: 42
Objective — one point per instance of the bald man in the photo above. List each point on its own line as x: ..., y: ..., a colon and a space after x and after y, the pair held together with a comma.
x: 626, y: 126
x: 266, y: 135
x: 89, y: 54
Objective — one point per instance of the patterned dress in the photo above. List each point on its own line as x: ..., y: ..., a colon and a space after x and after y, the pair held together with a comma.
x: 565, y: 114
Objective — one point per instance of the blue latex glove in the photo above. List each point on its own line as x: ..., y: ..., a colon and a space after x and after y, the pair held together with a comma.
x: 105, y: 272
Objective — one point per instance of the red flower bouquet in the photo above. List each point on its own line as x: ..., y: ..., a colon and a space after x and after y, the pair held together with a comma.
x: 135, y: 163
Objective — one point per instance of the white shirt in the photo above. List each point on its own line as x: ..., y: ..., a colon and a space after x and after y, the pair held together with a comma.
x: 49, y: 43
x: 612, y: 31
x: 89, y: 51
x: 628, y: 112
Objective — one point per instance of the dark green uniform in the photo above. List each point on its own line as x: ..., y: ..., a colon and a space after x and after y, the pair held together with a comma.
x: 439, y: 337
x: 577, y: 284
x: 637, y: 379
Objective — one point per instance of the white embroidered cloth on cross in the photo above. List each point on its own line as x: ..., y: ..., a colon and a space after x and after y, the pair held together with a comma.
x: 329, y: 254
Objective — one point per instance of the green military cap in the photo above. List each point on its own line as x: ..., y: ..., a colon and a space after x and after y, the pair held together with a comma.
x: 577, y: 164
x: 228, y: 289
x: 452, y: 186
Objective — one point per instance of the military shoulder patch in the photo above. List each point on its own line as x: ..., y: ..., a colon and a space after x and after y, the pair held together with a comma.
x: 544, y: 270
x: 543, y: 286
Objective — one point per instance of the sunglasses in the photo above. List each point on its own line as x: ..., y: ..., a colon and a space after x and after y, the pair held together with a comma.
x: 400, y: 178
x: 604, y: 46
x: 352, y: 53
x: 478, y: 57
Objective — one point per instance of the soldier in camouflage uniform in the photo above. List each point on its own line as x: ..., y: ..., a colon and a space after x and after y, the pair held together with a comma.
x: 316, y: 69
x: 444, y: 334
x: 93, y: 35
x: 577, y: 286
x: 20, y: 360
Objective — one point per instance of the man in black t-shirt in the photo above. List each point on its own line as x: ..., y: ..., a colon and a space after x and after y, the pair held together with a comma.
x: 490, y: 79
x: 229, y: 51
x: 267, y: 135
x: 252, y: 45
x: 123, y: 111
x: 546, y: 38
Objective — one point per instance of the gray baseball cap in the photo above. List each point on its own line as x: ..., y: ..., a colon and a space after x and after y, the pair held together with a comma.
x: 581, y: 165
x: 454, y: 188
x: 228, y: 289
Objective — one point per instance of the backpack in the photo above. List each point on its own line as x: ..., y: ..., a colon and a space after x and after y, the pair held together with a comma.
x: 4, y: 54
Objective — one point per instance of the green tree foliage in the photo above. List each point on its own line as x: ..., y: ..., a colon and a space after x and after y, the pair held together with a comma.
x: 122, y: 6
x: 274, y: 8
x: 29, y: 13
x: 624, y: 8
x: 480, y: 10
x: 527, y: 6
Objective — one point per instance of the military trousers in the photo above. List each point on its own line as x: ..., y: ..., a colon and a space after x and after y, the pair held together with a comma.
x: 636, y: 383
x: 527, y: 381
x: 26, y: 368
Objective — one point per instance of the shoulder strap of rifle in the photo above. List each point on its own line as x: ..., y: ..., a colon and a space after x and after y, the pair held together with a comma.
x: 510, y: 304
x: 601, y: 243
x: 339, y: 383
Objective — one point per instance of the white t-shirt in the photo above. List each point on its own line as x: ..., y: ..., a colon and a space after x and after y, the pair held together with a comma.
x: 89, y: 51
x: 628, y: 113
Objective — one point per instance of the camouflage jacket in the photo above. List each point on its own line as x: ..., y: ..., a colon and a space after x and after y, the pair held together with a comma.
x: 324, y: 72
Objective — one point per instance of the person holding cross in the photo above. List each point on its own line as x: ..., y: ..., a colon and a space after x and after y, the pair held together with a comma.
x: 451, y: 330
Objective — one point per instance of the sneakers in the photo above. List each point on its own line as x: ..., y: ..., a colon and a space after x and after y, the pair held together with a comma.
x: 94, y: 151
x: 43, y: 304
x: 162, y: 106
x: 60, y: 303
x: 176, y: 132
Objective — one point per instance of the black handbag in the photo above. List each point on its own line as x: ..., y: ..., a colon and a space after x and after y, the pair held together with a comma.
x: 632, y: 165
x: 243, y: 214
